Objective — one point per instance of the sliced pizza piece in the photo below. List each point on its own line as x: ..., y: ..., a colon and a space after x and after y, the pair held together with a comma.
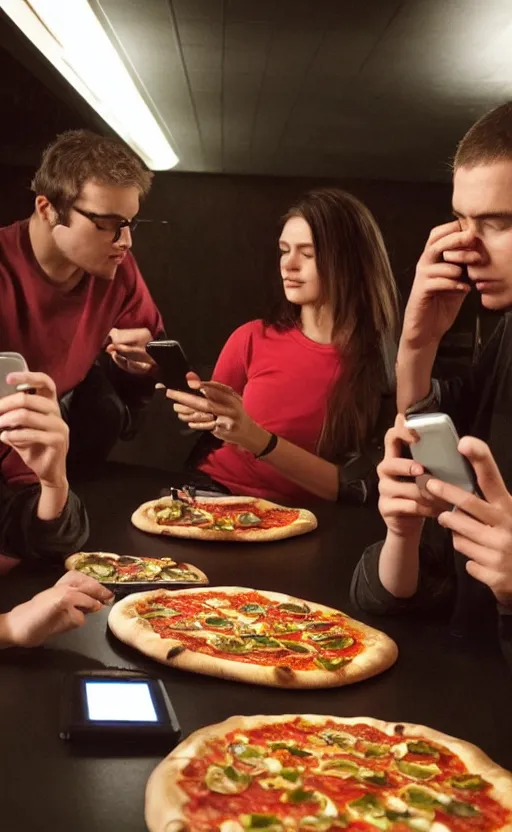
x: 294, y: 773
x: 253, y: 636
x: 110, y: 568
x: 235, y: 519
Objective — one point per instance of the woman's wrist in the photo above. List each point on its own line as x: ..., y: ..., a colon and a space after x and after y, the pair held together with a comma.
x: 52, y: 500
x: 256, y: 440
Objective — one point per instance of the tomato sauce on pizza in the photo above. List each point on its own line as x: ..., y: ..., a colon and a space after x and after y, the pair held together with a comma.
x: 241, y: 516
x: 297, y: 775
x: 248, y: 627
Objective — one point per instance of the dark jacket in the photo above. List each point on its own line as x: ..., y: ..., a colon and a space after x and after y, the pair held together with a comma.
x: 23, y: 535
x: 480, y: 405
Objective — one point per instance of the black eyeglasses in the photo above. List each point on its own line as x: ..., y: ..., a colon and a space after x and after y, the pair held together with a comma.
x: 108, y: 222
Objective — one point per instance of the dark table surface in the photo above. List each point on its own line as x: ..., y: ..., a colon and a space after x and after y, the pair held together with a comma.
x: 48, y: 784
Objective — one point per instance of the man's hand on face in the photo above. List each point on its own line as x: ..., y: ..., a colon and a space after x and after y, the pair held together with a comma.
x: 439, y: 289
x: 481, y: 527
x: 128, y: 350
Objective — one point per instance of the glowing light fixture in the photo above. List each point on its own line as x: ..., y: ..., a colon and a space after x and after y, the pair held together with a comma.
x: 70, y: 36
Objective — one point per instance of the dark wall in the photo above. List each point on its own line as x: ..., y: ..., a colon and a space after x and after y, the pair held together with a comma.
x: 209, y: 257
x: 214, y: 265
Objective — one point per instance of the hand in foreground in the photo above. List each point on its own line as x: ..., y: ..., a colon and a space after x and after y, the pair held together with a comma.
x: 219, y: 410
x: 31, y: 424
x: 481, y: 527
x: 60, y: 608
x: 403, y: 502
x: 128, y: 350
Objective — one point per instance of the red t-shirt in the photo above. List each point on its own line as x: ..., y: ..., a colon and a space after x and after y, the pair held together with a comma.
x: 285, y: 380
x: 59, y: 333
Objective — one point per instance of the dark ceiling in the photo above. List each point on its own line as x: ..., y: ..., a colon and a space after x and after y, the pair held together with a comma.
x: 347, y: 88
x: 35, y: 104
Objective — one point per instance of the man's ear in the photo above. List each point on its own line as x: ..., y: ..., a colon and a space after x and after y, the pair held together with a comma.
x: 45, y: 211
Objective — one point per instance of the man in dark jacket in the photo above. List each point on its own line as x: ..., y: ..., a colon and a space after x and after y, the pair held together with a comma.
x: 468, y: 568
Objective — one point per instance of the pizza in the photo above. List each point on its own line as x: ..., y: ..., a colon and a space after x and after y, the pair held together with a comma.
x: 236, y: 519
x: 109, y: 568
x: 317, y: 773
x: 252, y: 636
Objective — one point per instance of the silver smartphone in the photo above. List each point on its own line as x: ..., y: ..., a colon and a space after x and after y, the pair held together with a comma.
x: 11, y: 362
x: 437, y: 449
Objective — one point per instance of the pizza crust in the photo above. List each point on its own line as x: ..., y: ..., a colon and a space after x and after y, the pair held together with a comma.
x: 379, y: 654
x: 165, y: 800
x: 143, y: 519
x: 71, y: 563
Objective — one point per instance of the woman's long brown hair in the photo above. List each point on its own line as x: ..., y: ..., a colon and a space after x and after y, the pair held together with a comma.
x: 357, y: 284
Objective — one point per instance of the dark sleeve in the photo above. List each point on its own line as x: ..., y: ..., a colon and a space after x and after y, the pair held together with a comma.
x: 23, y: 535
x: 460, y: 397
x: 436, y: 585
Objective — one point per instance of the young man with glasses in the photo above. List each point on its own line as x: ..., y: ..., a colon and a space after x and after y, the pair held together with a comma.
x: 72, y: 300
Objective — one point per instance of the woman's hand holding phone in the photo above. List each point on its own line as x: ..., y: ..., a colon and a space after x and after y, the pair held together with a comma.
x: 221, y: 411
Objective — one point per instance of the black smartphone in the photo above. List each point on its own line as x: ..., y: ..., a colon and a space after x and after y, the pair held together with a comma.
x: 117, y: 704
x: 172, y: 364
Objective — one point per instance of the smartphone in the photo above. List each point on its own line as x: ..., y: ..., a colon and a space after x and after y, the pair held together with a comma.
x: 117, y: 704
x: 11, y: 362
x: 437, y: 450
x: 172, y: 364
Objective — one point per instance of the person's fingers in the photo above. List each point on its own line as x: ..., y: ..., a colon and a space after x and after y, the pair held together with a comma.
x: 28, y: 402
x: 483, y: 574
x: 447, y: 286
x: 463, y: 500
x: 456, y: 240
x: 487, y: 472
x: 80, y: 600
x: 480, y: 554
x: 405, y: 490
x: 449, y: 271
x: 132, y: 352
x: 188, y: 400
x: 194, y: 381
x: 24, y: 437
x: 181, y: 408
x: 137, y: 336
x: 196, y: 418
x: 404, y: 508
x: 394, y: 467
x: 86, y: 584
x: 463, y: 256
x: 42, y: 383
x: 23, y: 418
x: 217, y: 386
x: 203, y: 425
x: 220, y: 393
x: 466, y: 526
x: 442, y: 231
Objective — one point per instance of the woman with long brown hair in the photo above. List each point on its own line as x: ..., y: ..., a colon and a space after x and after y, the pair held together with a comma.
x: 296, y: 399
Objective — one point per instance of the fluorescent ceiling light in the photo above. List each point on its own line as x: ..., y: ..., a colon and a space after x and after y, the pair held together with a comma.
x: 70, y: 36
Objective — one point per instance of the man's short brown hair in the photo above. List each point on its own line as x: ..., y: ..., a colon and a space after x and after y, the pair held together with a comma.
x: 489, y: 140
x: 79, y: 156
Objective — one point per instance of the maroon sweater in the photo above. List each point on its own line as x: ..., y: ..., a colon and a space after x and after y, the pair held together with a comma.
x: 58, y: 333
